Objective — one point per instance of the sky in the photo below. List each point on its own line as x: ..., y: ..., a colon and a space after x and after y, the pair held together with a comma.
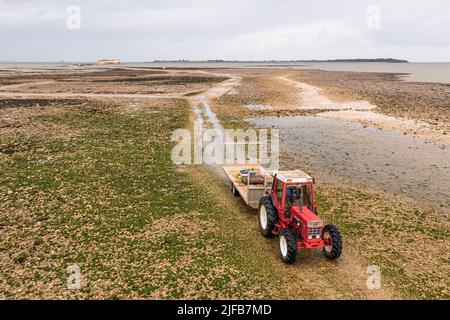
x: 138, y: 30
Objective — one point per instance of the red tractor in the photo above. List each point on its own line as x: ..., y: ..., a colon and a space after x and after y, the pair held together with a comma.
x: 288, y: 210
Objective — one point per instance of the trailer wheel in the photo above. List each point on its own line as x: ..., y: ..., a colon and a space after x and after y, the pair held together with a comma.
x: 288, y: 246
x: 332, y: 242
x: 267, y: 217
x: 234, y: 190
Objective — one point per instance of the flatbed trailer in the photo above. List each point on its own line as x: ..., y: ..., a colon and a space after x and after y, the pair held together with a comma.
x: 250, y: 193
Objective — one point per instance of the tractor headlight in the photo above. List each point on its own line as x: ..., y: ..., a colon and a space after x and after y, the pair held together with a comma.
x: 313, y: 224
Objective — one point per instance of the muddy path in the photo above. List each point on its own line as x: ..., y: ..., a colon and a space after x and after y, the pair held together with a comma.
x: 314, y: 100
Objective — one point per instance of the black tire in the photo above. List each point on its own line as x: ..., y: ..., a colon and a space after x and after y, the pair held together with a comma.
x: 234, y: 190
x: 288, y: 246
x: 334, y: 250
x: 268, y: 225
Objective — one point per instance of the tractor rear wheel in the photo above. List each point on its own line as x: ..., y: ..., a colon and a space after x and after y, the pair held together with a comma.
x: 267, y: 217
x: 288, y: 246
x: 332, y: 242
x: 234, y: 190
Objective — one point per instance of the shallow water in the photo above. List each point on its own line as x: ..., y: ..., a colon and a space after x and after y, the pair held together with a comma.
x: 211, y: 117
x: 403, y: 165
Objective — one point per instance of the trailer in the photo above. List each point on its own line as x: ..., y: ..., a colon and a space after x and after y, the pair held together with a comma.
x: 249, y: 191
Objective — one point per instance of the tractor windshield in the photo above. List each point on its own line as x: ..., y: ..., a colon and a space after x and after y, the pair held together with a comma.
x: 300, y: 195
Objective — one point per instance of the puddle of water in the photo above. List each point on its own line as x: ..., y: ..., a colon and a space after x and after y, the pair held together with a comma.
x: 206, y: 114
x: 210, y: 116
x: 411, y: 167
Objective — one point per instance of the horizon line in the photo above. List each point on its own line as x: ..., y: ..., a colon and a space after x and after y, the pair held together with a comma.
x: 217, y: 61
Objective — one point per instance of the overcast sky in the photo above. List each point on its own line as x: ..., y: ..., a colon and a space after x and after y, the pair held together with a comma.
x: 134, y: 30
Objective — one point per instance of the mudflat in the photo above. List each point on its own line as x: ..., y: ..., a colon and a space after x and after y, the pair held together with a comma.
x: 87, y: 179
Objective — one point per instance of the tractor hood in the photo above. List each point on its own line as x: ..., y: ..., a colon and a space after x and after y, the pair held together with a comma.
x: 305, y: 215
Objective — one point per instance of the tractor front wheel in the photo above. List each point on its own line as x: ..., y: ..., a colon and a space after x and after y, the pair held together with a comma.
x: 332, y: 242
x: 267, y: 217
x: 288, y: 246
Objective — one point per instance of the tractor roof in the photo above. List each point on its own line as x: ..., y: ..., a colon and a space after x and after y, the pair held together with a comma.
x: 296, y: 176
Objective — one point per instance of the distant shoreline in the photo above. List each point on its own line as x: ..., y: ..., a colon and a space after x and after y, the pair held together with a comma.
x: 386, y: 60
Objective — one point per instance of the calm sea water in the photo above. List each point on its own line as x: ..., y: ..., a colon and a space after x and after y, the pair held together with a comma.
x: 420, y: 72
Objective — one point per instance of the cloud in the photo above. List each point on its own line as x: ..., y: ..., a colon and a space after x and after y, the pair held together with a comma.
x: 309, y: 41
x: 228, y: 29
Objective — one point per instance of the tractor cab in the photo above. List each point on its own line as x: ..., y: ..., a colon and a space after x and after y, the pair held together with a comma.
x: 293, y: 191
